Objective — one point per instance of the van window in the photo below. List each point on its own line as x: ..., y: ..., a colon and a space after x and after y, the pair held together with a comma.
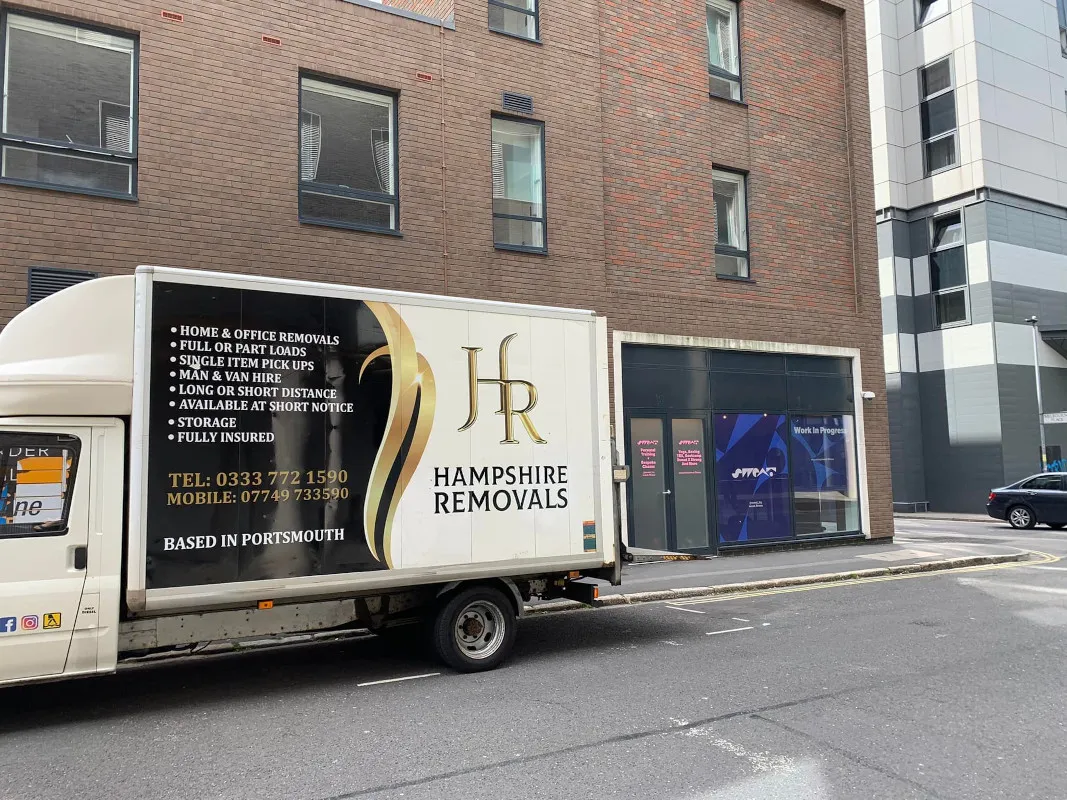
x: 36, y: 479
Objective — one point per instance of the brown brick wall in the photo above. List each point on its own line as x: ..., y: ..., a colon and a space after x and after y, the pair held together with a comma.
x: 802, y: 135
x: 631, y: 137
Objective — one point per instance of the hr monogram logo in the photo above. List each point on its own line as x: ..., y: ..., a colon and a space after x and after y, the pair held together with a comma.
x: 507, y: 402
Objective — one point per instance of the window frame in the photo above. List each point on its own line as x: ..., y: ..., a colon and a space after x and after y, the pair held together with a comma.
x: 719, y: 72
x: 536, y: 14
x: 920, y: 22
x: 927, y: 172
x: 965, y: 287
x: 50, y: 146
x: 75, y: 445
x: 543, y: 219
x: 1026, y: 485
x: 334, y: 190
x: 1061, y: 14
x: 729, y: 250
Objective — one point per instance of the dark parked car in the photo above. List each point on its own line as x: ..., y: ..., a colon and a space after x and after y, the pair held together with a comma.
x: 1039, y: 498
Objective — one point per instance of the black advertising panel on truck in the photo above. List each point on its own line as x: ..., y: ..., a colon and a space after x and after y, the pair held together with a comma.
x: 299, y: 438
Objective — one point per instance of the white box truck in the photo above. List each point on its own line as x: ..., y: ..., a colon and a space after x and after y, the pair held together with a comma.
x: 191, y: 457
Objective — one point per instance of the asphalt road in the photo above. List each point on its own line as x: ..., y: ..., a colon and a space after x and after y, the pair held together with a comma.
x: 947, y: 685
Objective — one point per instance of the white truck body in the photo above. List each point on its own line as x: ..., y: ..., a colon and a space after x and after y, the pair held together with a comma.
x: 190, y: 457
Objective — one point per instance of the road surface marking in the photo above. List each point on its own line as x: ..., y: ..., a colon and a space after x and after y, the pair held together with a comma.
x: 1023, y: 587
x: 397, y: 680
x: 739, y: 619
x: 729, y: 630
x: 690, y: 610
x: 1058, y: 569
x: 760, y: 761
x: 766, y: 624
x: 1008, y: 534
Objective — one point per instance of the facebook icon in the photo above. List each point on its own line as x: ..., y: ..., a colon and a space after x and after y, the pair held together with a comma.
x: 7, y: 624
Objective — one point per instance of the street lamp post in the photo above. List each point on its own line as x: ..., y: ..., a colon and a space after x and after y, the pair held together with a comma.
x: 1037, y: 385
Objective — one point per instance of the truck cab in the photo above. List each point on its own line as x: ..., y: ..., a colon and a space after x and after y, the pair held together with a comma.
x: 66, y: 386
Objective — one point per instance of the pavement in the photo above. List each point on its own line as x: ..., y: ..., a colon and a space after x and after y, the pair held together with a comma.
x: 928, y: 685
x: 941, y: 516
x: 653, y: 574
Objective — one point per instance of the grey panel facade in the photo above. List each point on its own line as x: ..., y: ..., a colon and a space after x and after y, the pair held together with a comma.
x: 1018, y: 402
x: 1014, y: 303
x: 1026, y: 223
x: 906, y: 438
x: 981, y: 300
x: 961, y: 437
x: 974, y: 223
x: 956, y: 434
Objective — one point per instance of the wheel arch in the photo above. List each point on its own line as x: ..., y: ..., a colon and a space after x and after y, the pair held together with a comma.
x: 506, y: 585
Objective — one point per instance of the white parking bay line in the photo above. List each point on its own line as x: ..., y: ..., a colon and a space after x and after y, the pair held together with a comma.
x: 397, y: 680
x: 1039, y: 566
x: 690, y: 610
x: 730, y: 630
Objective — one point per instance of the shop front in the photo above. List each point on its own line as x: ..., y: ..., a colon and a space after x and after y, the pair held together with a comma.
x: 731, y: 448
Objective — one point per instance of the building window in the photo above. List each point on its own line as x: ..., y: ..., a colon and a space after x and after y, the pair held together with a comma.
x: 69, y: 109
x: 929, y: 10
x: 724, y: 60
x: 937, y: 113
x: 515, y: 18
x: 1061, y: 10
x: 518, y: 185
x: 731, y: 224
x: 948, y: 270
x: 348, y: 157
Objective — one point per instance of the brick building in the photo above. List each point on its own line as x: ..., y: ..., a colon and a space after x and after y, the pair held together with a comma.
x: 700, y: 173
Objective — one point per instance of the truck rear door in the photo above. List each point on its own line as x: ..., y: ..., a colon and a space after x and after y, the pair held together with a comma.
x: 44, y: 525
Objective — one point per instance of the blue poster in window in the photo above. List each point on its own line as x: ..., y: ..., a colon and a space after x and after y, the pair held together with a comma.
x: 752, y: 477
x: 821, y: 454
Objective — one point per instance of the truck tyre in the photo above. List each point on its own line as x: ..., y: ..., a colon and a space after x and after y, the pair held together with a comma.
x: 475, y: 629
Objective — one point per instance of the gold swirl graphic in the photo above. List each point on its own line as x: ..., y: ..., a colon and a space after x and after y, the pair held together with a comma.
x: 411, y: 410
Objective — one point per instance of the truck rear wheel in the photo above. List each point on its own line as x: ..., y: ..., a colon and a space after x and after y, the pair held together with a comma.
x: 475, y: 629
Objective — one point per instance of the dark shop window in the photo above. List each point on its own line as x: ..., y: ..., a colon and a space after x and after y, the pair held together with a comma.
x: 69, y: 110
x: 348, y: 157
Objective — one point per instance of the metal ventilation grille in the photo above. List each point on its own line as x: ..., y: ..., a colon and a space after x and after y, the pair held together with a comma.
x: 44, y: 281
x: 518, y: 103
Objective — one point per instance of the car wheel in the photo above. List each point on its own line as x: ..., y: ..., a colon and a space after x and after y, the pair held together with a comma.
x: 1021, y: 518
x: 1056, y: 525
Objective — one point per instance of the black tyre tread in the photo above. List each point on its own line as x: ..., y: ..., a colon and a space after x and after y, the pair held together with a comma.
x: 444, y: 645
